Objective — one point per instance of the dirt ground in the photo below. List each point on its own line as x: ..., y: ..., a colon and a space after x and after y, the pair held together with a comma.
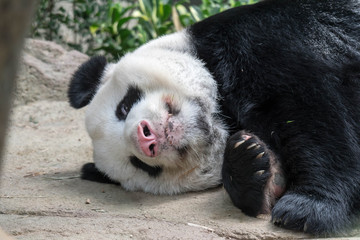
x: 42, y: 196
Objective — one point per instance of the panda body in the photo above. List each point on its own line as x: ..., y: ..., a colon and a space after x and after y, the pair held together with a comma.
x: 263, y: 98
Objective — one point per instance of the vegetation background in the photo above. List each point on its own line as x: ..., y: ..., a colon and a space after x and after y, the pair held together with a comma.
x: 113, y: 28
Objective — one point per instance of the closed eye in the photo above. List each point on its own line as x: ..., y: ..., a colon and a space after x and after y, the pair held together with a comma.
x: 132, y: 96
x: 171, y: 109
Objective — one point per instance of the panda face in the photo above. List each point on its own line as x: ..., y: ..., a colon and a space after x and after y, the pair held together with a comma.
x: 163, y: 128
x: 153, y: 123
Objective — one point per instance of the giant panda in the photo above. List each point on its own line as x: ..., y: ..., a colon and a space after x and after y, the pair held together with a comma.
x: 264, y: 99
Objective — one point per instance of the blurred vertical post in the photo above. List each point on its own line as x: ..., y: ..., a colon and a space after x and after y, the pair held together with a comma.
x: 15, y: 18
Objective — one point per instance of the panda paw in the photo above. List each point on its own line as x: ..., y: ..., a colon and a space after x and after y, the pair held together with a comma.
x: 310, y: 213
x: 251, y: 174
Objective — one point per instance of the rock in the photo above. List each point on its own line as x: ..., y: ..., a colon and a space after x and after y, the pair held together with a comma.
x: 45, y: 71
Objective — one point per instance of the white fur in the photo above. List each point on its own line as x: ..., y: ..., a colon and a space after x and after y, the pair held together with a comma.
x: 163, y: 69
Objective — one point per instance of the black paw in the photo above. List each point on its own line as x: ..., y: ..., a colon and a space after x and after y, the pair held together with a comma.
x: 246, y: 172
x: 310, y: 213
x: 91, y: 173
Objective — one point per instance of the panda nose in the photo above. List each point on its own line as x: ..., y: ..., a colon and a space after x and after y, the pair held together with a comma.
x: 147, y: 139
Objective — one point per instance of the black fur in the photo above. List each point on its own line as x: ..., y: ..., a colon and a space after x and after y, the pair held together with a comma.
x: 85, y: 81
x: 288, y: 71
x: 151, y: 170
x: 91, y: 173
x: 133, y: 95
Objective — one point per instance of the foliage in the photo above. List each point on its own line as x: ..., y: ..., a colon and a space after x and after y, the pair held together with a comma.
x: 153, y: 18
x: 85, y: 13
x: 48, y: 20
x: 113, y: 35
x: 206, y: 9
x: 112, y: 28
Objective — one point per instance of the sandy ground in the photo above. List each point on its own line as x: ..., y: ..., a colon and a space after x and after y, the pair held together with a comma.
x: 42, y: 196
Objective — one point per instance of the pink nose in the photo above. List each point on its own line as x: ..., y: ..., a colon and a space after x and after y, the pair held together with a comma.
x: 147, y: 139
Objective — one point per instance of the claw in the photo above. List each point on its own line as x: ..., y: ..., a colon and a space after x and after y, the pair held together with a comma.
x: 251, y: 146
x: 260, y: 155
x: 285, y: 222
x: 305, y: 227
x: 259, y: 173
x: 238, y: 143
x: 276, y: 221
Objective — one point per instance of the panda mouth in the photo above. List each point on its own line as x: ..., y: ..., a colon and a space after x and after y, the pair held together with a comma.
x: 153, y: 171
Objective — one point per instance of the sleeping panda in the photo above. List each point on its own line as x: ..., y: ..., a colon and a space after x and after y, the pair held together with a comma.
x: 153, y: 119
x: 263, y: 99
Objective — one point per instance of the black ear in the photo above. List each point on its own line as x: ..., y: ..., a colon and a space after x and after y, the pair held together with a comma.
x: 85, y: 81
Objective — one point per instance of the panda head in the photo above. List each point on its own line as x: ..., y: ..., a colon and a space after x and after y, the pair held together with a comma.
x: 152, y: 118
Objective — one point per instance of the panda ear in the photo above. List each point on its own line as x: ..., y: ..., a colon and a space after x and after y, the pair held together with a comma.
x: 85, y: 81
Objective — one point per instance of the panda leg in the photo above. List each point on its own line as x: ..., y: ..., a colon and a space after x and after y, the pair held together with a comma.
x: 252, y: 175
x: 324, y: 193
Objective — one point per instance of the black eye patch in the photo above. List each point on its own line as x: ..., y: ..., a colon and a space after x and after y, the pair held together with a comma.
x: 132, y: 96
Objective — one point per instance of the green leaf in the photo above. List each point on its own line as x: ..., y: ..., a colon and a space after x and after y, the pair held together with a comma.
x: 196, y: 13
x: 214, y: 10
x: 145, y: 7
x: 165, y: 12
x: 154, y: 13
x: 115, y: 14
x: 124, y: 20
x: 181, y: 2
x: 181, y: 9
x: 114, y: 28
x: 124, y: 33
x: 94, y: 28
x: 127, y: 10
x: 139, y: 15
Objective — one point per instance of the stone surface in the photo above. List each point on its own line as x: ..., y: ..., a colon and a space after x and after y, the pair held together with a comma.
x: 45, y: 70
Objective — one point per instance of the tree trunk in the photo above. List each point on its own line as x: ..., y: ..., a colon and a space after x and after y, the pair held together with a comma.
x: 15, y: 18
